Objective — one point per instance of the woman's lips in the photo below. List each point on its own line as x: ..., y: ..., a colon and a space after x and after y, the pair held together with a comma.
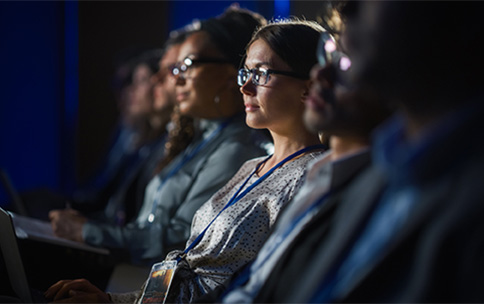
x: 251, y: 108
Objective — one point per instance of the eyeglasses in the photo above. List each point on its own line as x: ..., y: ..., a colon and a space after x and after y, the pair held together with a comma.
x: 260, y: 76
x: 328, y: 53
x: 182, y: 69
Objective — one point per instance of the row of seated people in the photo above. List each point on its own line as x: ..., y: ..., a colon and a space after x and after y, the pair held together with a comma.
x: 395, y: 221
x: 221, y: 142
x: 137, y: 144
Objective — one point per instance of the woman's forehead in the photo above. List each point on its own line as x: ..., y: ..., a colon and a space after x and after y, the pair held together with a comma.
x: 259, y: 53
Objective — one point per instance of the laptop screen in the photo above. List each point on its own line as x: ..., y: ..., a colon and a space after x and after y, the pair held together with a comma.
x: 12, y: 258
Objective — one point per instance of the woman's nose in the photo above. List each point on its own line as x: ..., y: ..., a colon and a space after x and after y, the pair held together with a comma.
x: 249, y: 87
x: 179, y: 79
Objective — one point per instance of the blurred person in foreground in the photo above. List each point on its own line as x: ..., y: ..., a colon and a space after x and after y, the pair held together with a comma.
x: 410, y: 228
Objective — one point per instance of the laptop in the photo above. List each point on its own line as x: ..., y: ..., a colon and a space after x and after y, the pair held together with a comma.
x: 14, y: 227
x: 13, y: 261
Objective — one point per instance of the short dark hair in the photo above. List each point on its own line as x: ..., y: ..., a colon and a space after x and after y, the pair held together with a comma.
x: 294, y: 41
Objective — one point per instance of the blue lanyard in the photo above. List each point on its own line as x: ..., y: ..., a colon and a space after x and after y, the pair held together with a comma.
x: 243, y: 277
x: 186, y: 158
x: 236, y: 197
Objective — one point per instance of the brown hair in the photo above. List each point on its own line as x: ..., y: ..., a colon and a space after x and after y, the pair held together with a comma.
x: 180, y: 135
x: 294, y: 40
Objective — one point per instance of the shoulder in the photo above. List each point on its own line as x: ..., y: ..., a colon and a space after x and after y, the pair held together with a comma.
x: 240, y: 147
x: 301, y: 163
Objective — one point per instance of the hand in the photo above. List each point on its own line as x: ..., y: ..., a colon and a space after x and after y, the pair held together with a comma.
x: 76, y: 291
x: 67, y: 224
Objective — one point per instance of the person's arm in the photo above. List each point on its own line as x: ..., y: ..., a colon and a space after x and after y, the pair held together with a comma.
x: 67, y: 224
x: 181, y: 196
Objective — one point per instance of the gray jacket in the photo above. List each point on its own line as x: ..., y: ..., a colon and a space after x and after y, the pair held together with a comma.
x: 182, y: 194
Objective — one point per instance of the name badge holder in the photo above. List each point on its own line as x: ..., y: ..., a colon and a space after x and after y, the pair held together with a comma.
x: 159, y: 282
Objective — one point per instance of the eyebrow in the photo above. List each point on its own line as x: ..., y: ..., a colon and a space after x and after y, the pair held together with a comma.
x: 259, y: 64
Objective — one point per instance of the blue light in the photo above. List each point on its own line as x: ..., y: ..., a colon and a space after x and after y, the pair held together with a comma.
x: 281, y: 8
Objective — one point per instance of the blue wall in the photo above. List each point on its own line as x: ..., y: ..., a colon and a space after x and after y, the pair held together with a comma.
x: 183, y: 12
x: 31, y: 92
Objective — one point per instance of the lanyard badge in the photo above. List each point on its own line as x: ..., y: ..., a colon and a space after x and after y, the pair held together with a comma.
x: 159, y: 282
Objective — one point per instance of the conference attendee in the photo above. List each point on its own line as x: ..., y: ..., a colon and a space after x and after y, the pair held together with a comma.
x: 230, y: 228
x: 150, y: 85
x: 347, y: 116
x: 221, y: 143
x: 133, y: 140
x: 124, y: 203
x: 410, y: 228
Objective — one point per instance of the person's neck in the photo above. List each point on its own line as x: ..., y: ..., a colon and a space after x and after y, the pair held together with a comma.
x: 342, y: 146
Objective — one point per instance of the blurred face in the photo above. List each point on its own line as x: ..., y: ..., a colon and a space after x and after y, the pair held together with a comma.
x: 164, y: 83
x: 373, y: 59
x: 139, y: 92
x: 319, y: 110
x: 277, y: 105
x: 202, y: 82
x: 387, y: 50
x: 341, y: 111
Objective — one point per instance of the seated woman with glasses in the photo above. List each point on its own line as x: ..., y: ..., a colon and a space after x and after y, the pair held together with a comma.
x: 230, y: 228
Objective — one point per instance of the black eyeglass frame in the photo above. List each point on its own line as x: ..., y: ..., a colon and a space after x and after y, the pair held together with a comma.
x: 182, y: 67
x: 267, y: 73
